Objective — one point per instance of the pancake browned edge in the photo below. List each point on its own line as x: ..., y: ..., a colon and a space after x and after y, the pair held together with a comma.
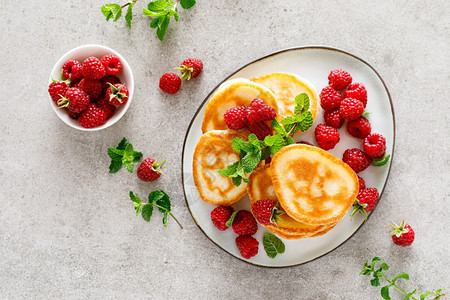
x: 312, y: 185
x: 214, y: 152
x: 260, y: 187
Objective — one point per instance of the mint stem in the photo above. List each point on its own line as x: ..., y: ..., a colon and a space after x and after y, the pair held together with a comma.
x: 400, y: 290
x: 169, y: 212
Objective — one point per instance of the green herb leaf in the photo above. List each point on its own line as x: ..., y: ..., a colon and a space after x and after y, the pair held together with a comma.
x: 279, y: 143
x: 155, y: 196
x: 115, y: 154
x: 186, y: 4
x: 236, y: 180
x: 136, y: 202
x: 382, y: 161
x: 302, y: 101
x: 236, y: 144
x: 385, y: 292
x: 124, y: 155
x: 229, y: 222
x: 159, y: 5
x: 112, y: 11
x: 272, y: 245
x: 277, y: 127
x: 164, y: 203
x: 115, y: 166
x: 129, y: 14
x: 231, y: 170
x: 147, y: 210
x: 123, y: 144
x: 164, y: 220
x: 375, y: 282
x: 384, y: 266
x: 401, y: 275
x: 288, y: 121
x: 162, y: 27
x: 250, y: 161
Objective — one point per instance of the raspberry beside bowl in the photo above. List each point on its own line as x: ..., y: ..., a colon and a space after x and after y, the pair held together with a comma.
x: 81, y: 53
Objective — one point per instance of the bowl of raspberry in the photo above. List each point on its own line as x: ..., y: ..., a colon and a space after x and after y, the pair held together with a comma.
x: 91, y: 87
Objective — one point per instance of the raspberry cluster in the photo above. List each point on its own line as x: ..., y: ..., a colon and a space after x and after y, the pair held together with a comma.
x: 170, y: 83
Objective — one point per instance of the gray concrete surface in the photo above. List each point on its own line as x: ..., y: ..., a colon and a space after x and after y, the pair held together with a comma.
x: 67, y: 229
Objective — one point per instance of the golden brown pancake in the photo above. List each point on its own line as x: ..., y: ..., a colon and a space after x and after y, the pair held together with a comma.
x: 312, y: 185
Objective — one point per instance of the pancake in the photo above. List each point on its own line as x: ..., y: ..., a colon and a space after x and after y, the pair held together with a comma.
x: 286, y: 87
x: 260, y: 187
x: 312, y: 185
x: 232, y: 93
x: 214, y: 152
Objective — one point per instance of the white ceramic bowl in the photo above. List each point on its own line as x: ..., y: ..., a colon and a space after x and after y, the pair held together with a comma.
x: 81, y: 53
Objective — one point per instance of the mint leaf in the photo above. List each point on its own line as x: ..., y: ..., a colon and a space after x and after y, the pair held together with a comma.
x: 279, y: 143
x: 164, y: 203
x: 272, y: 245
x: 302, y: 101
x: 136, y: 202
x: 159, y: 5
x: 236, y: 144
x: 382, y: 161
x: 272, y: 139
x: 112, y: 11
x: 147, y: 211
x: 115, y: 166
x: 277, y: 127
x: 287, y: 121
x: 186, y: 4
x: 231, y: 170
x: 162, y: 27
x: 123, y: 144
x: 154, y: 14
x: 401, y: 275
x: 385, y: 292
x: 236, y: 180
x: 306, y: 121
x: 115, y: 154
x: 129, y: 14
x: 229, y: 222
x: 375, y: 282
x: 253, y: 140
x: 250, y: 161
x: 155, y: 196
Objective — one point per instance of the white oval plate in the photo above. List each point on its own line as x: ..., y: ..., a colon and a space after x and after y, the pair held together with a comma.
x: 314, y: 64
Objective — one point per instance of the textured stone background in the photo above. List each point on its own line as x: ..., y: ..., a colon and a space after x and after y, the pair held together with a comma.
x: 67, y: 229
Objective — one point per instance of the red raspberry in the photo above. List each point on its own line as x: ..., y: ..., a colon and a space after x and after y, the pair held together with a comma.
x: 326, y: 136
x: 365, y: 201
x: 362, y: 183
x: 244, y: 223
x: 402, y: 235
x: 260, y: 129
x: 359, y: 127
x: 351, y: 109
x: 75, y: 100
x: 260, y: 111
x: 305, y: 143
x: 149, y: 169
x: 170, y: 83
x: 72, y: 69
x: 220, y: 215
x: 357, y: 91
x: 117, y: 94
x: 93, y: 68
x: 330, y: 98
x: 104, y: 105
x: 57, y: 90
x: 72, y: 115
x: 92, y: 87
x: 266, y: 211
x: 333, y: 118
x: 247, y: 245
x: 356, y: 159
x: 112, y: 64
x: 92, y: 117
x: 374, y: 145
x: 339, y: 79
x: 236, y: 117
x: 109, y: 79
x: 190, y: 68
x: 268, y: 160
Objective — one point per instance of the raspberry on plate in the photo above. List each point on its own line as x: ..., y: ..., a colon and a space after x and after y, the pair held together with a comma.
x: 220, y: 215
x: 72, y: 69
x: 92, y: 117
x: 359, y: 127
x: 351, y: 109
x: 326, y: 136
x: 236, y: 117
x: 365, y: 201
x: 149, y: 169
x: 117, y: 94
x: 93, y: 68
x: 339, y: 79
x: 260, y: 129
x: 362, y: 183
x: 333, y: 118
x: 402, y: 235
x: 260, y: 111
x: 170, y: 83
x: 266, y: 211
x: 247, y: 245
x: 356, y: 159
x: 57, y: 90
x: 75, y: 100
x: 92, y: 87
x: 104, y: 105
x: 244, y: 223
x: 190, y: 68
x: 330, y: 98
x: 374, y: 145
x: 112, y: 64
x: 357, y: 91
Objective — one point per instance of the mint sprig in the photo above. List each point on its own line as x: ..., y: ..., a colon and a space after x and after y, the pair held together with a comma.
x: 157, y: 199
x: 382, y: 161
x: 123, y: 155
x: 370, y: 269
x: 273, y: 245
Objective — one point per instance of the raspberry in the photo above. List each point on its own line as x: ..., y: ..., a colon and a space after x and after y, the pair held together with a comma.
x: 72, y: 69
x: 357, y: 91
x: 333, y: 118
x: 57, y: 90
x: 359, y: 127
x: 73, y: 115
x: 330, y: 98
x: 92, y: 87
x: 260, y: 129
x: 365, y: 201
x: 362, y: 183
x: 190, y: 68
x: 266, y: 211
x: 247, y: 245
x: 244, y: 223
x: 112, y: 64
x: 109, y: 79
x: 402, y: 235
x: 104, y: 105
x: 356, y: 159
x: 220, y: 215
x: 351, y: 109
x: 326, y: 136
x: 374, y: 145
x: 339, y: 79
x: 236, y: 117
x: 92, y: 117
x: 93, y: 68
x: 117, y: 94
x: 75, y: 100
x: 170, y: 83
x: 149, y: 169
x: 260, y: 111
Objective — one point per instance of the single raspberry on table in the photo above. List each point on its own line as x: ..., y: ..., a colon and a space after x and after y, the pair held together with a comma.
x: 112, y: 64
x: 75, y: 100
x: 220, y: 215
x: 170, y: 83
x: 266, y: 211
x: 117, y: 94
x: 57, y: 90
x: 190, y: 68
x: 374, y: 145
x: 149, y: 169
x: 359, y: 127
x: 357, y: 91
x: 104, y: 105
x: 236, y: 117
x: 247, y: 245
x: 403, y: 234
x: 330, y: 98
x: 365, y: 201
x: 244, y: 223
x: 362, y: 183
x: 326, y: 136
x: 356, y: 159
x: 339, y: 79
x: 260, y: 111
x: 72, y: 69
x: 93, y: 68
x: 92, y: 117
x: 260, y: 129
x: 92, y: 87
x: 333, y: 118
x: 351, y: 109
